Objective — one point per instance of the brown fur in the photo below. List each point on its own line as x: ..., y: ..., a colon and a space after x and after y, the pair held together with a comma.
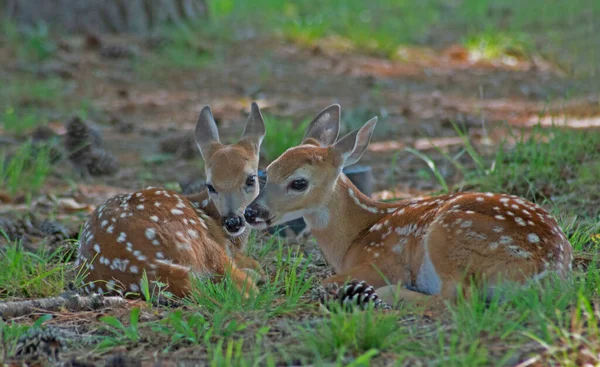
x: 430, y: 246
x: 170, y: 236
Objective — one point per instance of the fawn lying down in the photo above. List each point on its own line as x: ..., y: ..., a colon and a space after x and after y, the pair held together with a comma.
x: 170, y: 236
x: 429, y: 246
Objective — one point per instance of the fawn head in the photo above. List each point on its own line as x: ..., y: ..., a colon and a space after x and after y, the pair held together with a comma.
x: 301, y: 181
x: 231, y: 170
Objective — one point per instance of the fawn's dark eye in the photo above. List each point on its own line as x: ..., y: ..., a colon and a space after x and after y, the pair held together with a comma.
x: 251, y: 181
x: 299, y: 184
x: 211, y: 189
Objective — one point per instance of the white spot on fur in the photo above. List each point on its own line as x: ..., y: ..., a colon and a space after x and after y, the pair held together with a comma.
x: 518, y: 251
x: 493, y: 245
x: 489, y: 194
x: 110, y: 229
x: 376, y: 227
x: 154, y: 218
x: 157, y: 204
x: 134, y: 287
x: 511, y: 214
x: 466, y: 224
x: 533, y: 238
x: 155, y: 242
x: 480, y: 199
x: 103, y: 224
x: 499, y: 217
x: 160, y: 255
x: 150, y: 233
x: 176, y: 211
x: 140, y: 207
x: 505, y: 240
x: 134, y: 269
x: 497, y: 229
x: 97, y: 248
x: 122, y: 237
x: 520, y: 221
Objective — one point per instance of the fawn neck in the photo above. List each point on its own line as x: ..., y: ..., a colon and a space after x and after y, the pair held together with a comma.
x: 343, y: 219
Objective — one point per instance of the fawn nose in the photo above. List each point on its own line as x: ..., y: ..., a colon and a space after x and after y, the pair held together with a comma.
x: 250, y: 215
x: 233, y: 223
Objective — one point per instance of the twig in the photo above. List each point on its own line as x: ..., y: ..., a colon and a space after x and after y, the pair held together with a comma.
x: 71, y: 302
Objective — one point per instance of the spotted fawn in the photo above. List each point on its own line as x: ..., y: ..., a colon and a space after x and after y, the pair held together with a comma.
x: 409, y: 250
x: 170, y: 236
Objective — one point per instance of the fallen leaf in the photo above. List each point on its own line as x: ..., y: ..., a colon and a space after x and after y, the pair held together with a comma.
x: 70, y: 205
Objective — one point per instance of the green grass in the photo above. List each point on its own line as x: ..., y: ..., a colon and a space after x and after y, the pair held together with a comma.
x: 282, y: 134
x: 31, y: 44
x: 32, y: 275
x: 493, y: 45
x: 120, y: 334
x: 26, y: 92
x: 18, y: 124
x: 26, y: 170
x: 280, y: 294
x: 361, y: 334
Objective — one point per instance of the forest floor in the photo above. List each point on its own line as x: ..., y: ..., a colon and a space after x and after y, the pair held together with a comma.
x: 514, y: 122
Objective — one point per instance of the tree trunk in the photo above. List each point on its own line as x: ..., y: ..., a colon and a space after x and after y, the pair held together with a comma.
x: 104, y: 16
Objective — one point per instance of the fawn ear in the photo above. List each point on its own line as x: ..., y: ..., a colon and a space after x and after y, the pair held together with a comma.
x: 255, y: 130
x: 324, y: 129
x: 206, y: 134
x: 352, y: 146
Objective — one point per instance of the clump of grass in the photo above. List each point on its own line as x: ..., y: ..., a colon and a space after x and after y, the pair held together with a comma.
x: 184, y: 51
x: 13, y: 122
x: 492, y: 45
x: 27, y: 274
x: 282, y: 134
x: 374, y: 26
x: 32, y: 43
x: 120, y: 333
x: 32, y: 92
x: 26, y: 170
x: 194, y: 328
x: 358, y: 334
x: 279, y: 295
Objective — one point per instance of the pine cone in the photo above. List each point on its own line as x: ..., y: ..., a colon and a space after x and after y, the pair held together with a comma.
x: 121, y: 360
x: 14, y: 229
x: 116, y: 52
x: 101, y: 163
x: 41, y: 343
x: 157, y: 42
x: 78, y: 142
x: 53, y: 231
x: 355, y: 294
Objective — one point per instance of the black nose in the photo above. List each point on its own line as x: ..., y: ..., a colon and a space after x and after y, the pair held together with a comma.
x: 250, y: 215
x: 233, y: 223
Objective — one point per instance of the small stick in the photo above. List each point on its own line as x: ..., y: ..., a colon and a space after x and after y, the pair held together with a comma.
x: 10, y: 310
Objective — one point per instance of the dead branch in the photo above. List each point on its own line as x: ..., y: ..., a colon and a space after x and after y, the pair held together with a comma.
x: 10, y: 310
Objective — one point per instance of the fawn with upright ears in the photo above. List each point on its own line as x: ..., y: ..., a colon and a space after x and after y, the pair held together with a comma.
x: 170, y: 236
x: 412, y: 249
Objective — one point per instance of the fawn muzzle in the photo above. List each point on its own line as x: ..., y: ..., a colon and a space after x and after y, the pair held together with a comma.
x: 233, y: 223
x: 256, y: 215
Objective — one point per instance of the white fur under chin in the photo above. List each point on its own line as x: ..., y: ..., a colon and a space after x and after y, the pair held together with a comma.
x: 235, y: 234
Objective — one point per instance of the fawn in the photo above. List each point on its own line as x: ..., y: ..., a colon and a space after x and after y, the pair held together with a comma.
x: 171, y: 236
x: 409, y: 250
